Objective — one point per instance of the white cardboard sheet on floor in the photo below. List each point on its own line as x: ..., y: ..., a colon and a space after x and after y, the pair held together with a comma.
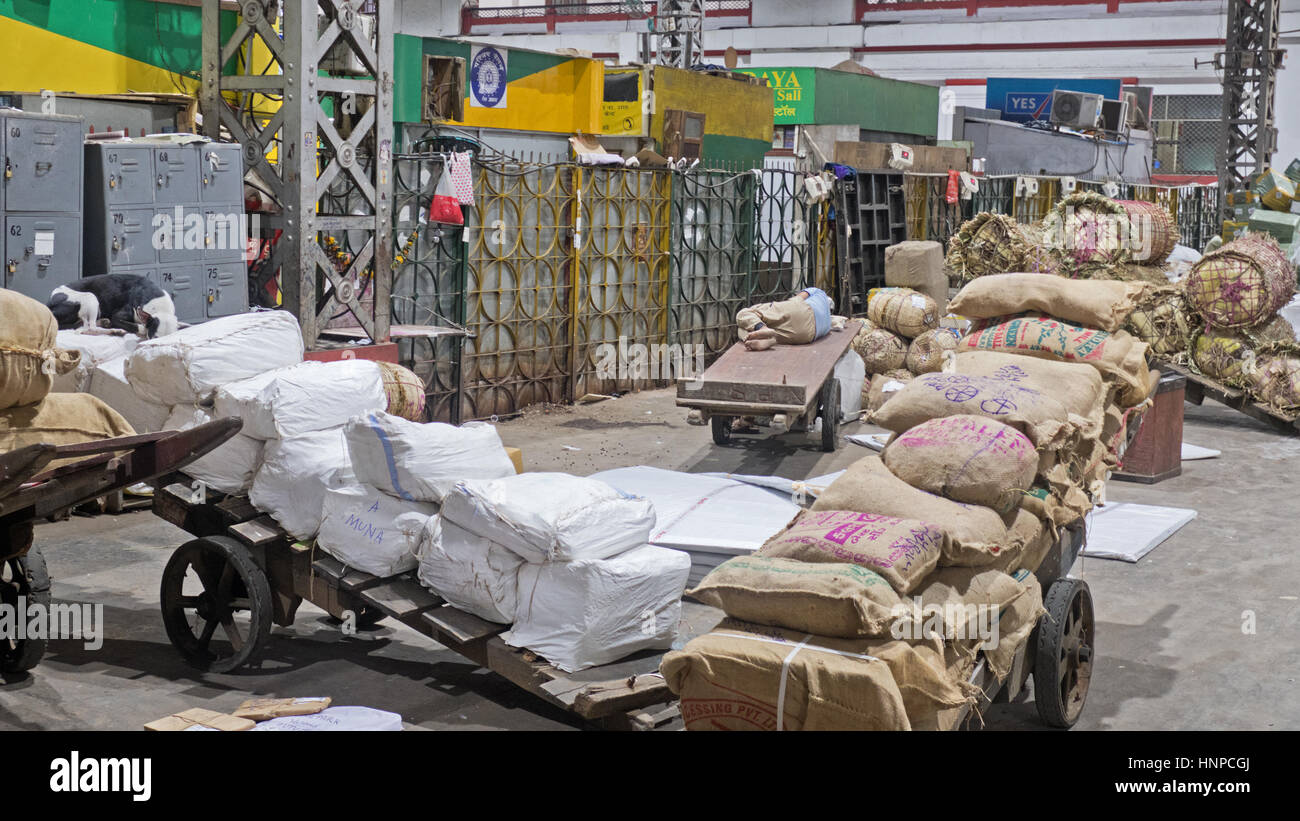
x: 1193, y: 452
x: 875, y: 441
x: 1128, y: 531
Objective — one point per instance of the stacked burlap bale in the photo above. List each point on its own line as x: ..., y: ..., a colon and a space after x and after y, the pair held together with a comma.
x: 900, y: 337
x: 30, y: 362
x: 991, y: 243
x: 1239, y: 338
x: 1095, y: 236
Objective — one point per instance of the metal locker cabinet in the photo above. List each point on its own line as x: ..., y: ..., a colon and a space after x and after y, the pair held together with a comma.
x: 119, y: 174
x: 184, y: 242
x: 224, y: 234
x: 42, y: 252
x: 176, y: 174
x: 128, y: 239
x: 221, y: 173
x: 227, y: 288
x: 42, y: 158
x: 185, y: 283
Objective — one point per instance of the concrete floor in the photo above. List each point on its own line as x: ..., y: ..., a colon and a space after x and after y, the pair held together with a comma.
x: 1172, y: 653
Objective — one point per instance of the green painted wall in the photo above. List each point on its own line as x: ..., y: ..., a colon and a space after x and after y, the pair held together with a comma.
x: 876, y: 103
x: 720, y: 148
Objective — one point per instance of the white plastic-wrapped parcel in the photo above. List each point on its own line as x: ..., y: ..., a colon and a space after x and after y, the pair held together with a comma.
x: 551, y: 516
x: 108, y: 383
x: 359, y: 719
x: 422, y: 461
x: 314, y: 396
x: 473, y: 573
x: 370, y: 530
x: 593, y: 611
x: 852, y: 373
x: 184, y: 368
x: 96, y: 348
x: 237, y: 398
x: 230, y: 467
x: 294, y: 476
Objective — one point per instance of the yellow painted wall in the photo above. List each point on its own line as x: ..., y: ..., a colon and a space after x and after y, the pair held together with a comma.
x: 731, y: 108
x: 564, y: 98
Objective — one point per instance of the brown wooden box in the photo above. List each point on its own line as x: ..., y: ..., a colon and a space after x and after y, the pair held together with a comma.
x: 1156, y: 453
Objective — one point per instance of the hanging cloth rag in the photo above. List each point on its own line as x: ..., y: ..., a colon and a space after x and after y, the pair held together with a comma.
x: 462, y: 178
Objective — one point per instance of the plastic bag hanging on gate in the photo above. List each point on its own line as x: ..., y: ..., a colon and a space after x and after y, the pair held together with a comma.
x: 950, y: 196
x: 445, y: 207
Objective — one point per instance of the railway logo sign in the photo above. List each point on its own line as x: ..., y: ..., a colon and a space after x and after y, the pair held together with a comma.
x: 487, y: 77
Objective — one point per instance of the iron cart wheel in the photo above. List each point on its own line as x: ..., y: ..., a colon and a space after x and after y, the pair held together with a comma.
x: 1064, y: 650
x: 212, y: 583
x: 829, y: 411
x: 27, y: 577
x: 721, y: 429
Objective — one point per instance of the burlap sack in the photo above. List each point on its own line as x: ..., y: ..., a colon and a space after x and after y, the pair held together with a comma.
x: 883, y: 386
x: 881, y: 350
x: 925, y: 354
x: 1078, y: 387
x: 733, y: 678
x: 1119, y: 355
x: 28, y: 359
x: 404, y: 392
x: 906, y: 312
x: 1016, y: 621
x: 60, y: 419
x: 1033, y: 412
x: 1242, y: 284
x: 973, y: 536
x: 1095, y: 303
x: 901, y: 550
x: 959, y: 603
x: 825, y: 599
x: 918, y: 265
x: 1059, y: 505
x: 965, y: 458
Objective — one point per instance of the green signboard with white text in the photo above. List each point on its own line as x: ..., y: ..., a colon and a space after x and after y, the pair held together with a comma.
x: 793, y: 92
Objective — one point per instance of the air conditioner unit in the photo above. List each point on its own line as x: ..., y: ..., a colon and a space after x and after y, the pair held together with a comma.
x: 1139, y: 109
x: 1114, y: 115
x: 1075, y: 109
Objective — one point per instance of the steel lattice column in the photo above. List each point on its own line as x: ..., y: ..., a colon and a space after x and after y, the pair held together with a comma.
x: 1247, y: 135
x: 303, y: 150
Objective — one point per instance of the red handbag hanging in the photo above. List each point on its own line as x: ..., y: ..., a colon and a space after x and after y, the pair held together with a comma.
x: 445, y: 207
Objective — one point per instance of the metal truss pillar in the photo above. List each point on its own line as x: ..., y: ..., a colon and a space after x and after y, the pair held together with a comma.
x: 320, y: 141
x: 1249, y: 62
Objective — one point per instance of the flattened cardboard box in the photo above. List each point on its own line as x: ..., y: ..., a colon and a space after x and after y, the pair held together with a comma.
x: 264, y: 709
x: 199, y: 717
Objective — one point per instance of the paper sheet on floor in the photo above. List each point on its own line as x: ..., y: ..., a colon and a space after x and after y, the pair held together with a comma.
x: 1191, y: 452
x: 1128, y: 531
x: 875, y: 441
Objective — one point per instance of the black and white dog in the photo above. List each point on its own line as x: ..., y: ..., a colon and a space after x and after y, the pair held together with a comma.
x: 127, y: 301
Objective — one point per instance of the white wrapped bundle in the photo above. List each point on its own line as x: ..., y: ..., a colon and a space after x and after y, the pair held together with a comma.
x: 372, y: 531
x: 294, y: 476
x: 314, y: 396
x: 229, y: 468
x: 96, y: 349
x: 473, y: 573
x: 108, y: 384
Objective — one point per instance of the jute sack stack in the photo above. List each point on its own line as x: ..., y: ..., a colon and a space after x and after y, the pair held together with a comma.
x: 1033, y: 412
x: 1095, y: 303
x: 826, y: 599
x: 880, y: 349
x: 60, y: 419
x: 991, y: 244
x: 925, y: 354
x: 973, y: 536
x: 903, y: 311
x: 1117, y: 356
x: 1079, y: 388
x: 918, y: 265
x: 744, y: 676
x: 29, y: 360
x: 1241, y: 285
x: 901, y: 550
x: 965, y: 458
x: 1231, y: 356
x: 1019, y: 598
x: 883, y: 386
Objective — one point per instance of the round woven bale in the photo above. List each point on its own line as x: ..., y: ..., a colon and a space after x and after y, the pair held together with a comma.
x: 1162, y: 320
x: 1090, y: 227
x: 925, y: 354
x: 1231, y: 356
x: 906, y: 312
x: 405, y: 392
x: 1242, y: 284
x: 1276, y: 381
x: 990, y: 243
x: 881, y: 350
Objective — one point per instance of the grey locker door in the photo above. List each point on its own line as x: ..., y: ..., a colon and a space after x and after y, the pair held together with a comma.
x: 176, y: 174
x: 131, y: 237
x: 226, y: 234
x: 128, y: 174
x: 227, y: 288
x: 188, y: 239
x: 42, y: 164
x: 41, y: 253
x: 185, y: 283
x: 221, y: 173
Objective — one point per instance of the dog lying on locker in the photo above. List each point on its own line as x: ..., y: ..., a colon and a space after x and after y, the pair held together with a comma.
x: 127, y: 301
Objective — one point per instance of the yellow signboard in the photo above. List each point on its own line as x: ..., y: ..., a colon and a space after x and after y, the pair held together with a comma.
x: 621, y: 113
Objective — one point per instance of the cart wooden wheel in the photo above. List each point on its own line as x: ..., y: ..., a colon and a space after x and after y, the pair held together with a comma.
x: 721, y: 429
x: 212, y: 584
x: 1064, y: 650
x: 28, y: 577
x: 829, y: 411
